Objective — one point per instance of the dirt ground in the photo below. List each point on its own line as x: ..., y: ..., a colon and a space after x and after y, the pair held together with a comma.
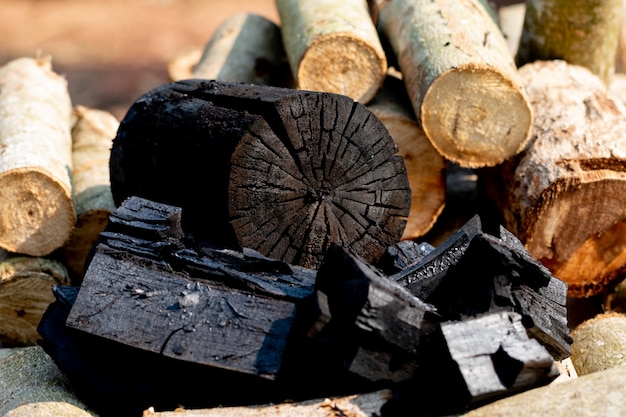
x: 113, y: 51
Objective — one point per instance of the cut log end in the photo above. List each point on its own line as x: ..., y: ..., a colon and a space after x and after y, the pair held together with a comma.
x: 358, y: 74
x: 476, y: 117
x: 335, y: 179
x: 44, y: 213
x: 596, y: 246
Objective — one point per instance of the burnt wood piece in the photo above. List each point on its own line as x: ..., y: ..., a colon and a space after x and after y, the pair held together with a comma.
x: 475, y: 272
x: 403, y: 255
x: 360, y: 321
x: 285, y: 172
x: 474, y: 361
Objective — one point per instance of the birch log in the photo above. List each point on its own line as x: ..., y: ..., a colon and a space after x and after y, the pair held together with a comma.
x: 565, y: 196
x: 424, y: 165
x: 25, y: 293
x: 246, y: 48
x: 36, y: 208
x: 581, y: 32
x: 461, y: 77
x: 92, y: 137
x: 333, y: 46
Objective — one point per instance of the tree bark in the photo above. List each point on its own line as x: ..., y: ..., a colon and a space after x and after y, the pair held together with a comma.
x: 92, y: 138
x: 288, y: 172
x: 333, y: 46
x: 461, y: 78
x: 36, y: 209
x: 245, y: 48
x: 581, y: 32
x: 565, y: 196
x: 25, y: 294
x: 599, y: 343
x: 425, y: 166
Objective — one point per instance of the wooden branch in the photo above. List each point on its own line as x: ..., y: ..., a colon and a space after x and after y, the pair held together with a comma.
x: 288, y: 172
x: 25, y: 294
x: 358, y: 405
x: 245, y: 47
x: 32, y: 385
x: 461, y: 78
x: 580, y: 32
x: 92, y: 138
x: 425, y: 166
x: 36, y: 212
x: 333, y: 46
x: 564, y: 196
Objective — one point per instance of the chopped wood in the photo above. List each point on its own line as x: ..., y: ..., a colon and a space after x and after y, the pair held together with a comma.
x: 30, y: 378
x: 456, y: 279
x: 288, y: 172
x: 37, y: 212
x: 358, y: 405
x: 511, y: 22
x: 425, y: 166
x: 333, y: 45
x: 580, y: 32
x: 565, y: 195
x: 25, y: 293
x: 246, y: 47
x: 461, y: 77
x: 92, y: 138
x: 599, y: 343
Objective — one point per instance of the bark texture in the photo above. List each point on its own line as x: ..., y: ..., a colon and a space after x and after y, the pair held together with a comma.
x: 461, y: 78
x: 246, y: 48
x: 599, y: 343
x: 426, y: 168
x: 333, y: 45
x: 565, y: 196
x: 581, y: 32
x: 36, y: 208
x: 25, y: 293
x: 92, y: 138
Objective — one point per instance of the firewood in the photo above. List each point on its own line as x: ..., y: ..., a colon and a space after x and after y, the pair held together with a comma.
x: 287, y: 172
x: 37, y: 212
x: 615, y: 298
x: 92, y: 138
x: 595, y: 395
x: 511, y: 21
x: 30, y: 377
x: 456, y: 279
x: 580, y: 32
x: 25, y: 294
x: 599, y: 343
x: 461, y: 78
x: 358, y: 405
x: 333, y: 46
x: 564, y: 196
x: 246, y: 47
x: 425, y: 166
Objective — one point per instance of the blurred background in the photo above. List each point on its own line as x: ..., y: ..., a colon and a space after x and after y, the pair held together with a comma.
x: 113, y: 51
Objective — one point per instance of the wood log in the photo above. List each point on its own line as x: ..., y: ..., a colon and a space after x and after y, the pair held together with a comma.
x: 511, y: 19
x: 92, y: 138
x: 564, y: 196
x: 595, y: 395
x: 25, y: 293
x: 599, y: 343
x: 37, y: 212
x: 461, y: 78
x: 580, y: 32
x: 288, y: 172
x: 333, y: 46
x: 425, y: 166
x: 456, y: 278
x: 357, y: 405
x: 246, y: 47
x: 29, y: 378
